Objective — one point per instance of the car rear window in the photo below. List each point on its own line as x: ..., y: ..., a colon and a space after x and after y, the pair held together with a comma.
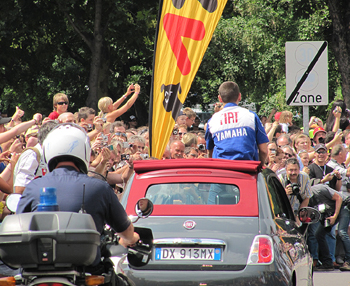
x: 193, y: 194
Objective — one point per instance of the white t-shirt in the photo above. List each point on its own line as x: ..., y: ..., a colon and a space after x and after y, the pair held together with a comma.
x: 28, y: 167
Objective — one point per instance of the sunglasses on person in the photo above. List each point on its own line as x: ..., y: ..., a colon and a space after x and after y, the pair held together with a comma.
x: 121, y: 134
x: 288, y: 154
x: 62, y: 102
x: 138, y: 147
x: 180, y: 133
x: 321, y: 152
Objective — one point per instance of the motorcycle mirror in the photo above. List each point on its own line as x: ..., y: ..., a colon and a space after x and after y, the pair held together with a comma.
x: 309, y: 215
x: 144, y: 208
x: 12, y: 201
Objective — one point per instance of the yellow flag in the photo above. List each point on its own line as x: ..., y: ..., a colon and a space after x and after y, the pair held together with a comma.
x: 185, y: 28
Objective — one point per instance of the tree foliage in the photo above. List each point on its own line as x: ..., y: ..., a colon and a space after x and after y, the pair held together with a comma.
x: 47, y: 47
x: 249, y: 47
x: 93, y: 48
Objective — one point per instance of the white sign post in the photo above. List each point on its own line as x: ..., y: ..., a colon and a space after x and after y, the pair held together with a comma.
x: 306, y: 75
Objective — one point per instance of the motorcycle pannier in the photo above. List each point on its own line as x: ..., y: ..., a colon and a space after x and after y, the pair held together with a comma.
x: 60, y: 239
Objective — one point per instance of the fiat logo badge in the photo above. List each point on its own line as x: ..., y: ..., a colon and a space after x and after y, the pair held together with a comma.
x: 189, y: 224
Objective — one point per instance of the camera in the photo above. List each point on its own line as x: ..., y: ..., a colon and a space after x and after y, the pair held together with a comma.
x: 175, y: 132
x: 144, y: 156
x: 110, y: 147
x: 321, y: 140
x: 104, y: 139
x: 201, y: 147
x: 325, y: 211
x: 295, y: 189
x: 125, y: 157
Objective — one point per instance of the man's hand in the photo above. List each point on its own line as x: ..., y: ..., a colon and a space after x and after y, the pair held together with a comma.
x: 37, y: 117
x: 16, y: 146
x: 338, y: 135
x: 337, y: 112
x: 18, y: 114
x: 129, y: 243
x: 106, y: 155
x: 5, y: 156
x: 306, y: 170
x: 98, y: 122
x: 337, y: 174
x: 289, y: 189
x: 332, y: 219
x: 327, y: 178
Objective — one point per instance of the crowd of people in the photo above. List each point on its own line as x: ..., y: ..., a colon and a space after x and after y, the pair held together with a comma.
x: 314, y: 169
x: 115, y: 143
x: 318, y: 163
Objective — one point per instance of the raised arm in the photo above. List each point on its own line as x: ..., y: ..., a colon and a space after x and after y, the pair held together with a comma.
x: 111, y: 116
x: 120, y: 100
x: 18, y: 129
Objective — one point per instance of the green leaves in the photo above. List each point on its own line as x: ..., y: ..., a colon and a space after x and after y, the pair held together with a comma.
x: 249, y: 48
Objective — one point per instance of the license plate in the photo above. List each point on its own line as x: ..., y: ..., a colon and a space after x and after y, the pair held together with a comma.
x: 187, y: 253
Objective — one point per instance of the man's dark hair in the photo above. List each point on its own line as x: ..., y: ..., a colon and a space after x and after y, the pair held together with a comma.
x: 336, y: 150
x: 292, y: 161
x: 45, y: 129
x: 293, y: 129
x: 229, y: 91
x: 84, y: 112
x: 278, y: 130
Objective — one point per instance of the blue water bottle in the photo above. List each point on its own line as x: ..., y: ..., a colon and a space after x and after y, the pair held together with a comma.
x: 48, y: 200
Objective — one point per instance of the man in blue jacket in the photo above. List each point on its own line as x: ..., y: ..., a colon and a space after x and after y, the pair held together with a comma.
x: 234, y: 132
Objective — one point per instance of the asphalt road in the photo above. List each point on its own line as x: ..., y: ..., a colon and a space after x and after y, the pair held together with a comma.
x: 336, y: 278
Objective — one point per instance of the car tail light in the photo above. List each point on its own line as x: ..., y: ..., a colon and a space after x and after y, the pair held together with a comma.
x: 261, y: 251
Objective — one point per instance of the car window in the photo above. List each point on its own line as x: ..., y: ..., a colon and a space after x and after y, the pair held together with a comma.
x: 193, y: 194
x: 278, y: 203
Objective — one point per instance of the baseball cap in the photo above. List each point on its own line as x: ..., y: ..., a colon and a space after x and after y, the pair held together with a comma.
x: 4, y: 120
x: 318, y: 129
x: 320, y: 146
x: 278, y: 115
x: 132, y: 117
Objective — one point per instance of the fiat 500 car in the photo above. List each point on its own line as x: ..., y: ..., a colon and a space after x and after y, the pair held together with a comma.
x: 217, y: 222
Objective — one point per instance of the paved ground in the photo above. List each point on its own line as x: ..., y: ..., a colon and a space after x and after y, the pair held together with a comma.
x: 336, y: 278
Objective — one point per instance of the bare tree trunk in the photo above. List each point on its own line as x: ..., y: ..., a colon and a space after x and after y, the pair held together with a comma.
x: 339, y: 11
x: 97, y: 45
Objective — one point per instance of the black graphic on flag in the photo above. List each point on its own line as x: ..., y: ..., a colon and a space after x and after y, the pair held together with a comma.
x: 171, y: 100
x: 209, y: 5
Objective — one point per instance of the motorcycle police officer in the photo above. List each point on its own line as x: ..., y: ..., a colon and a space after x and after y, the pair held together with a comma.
x: 67, y: 151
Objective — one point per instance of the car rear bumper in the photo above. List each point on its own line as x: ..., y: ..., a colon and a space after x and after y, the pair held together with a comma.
x: 251, y: 275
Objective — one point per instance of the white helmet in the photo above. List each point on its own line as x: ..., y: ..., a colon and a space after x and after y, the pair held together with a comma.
x: 67, y: 142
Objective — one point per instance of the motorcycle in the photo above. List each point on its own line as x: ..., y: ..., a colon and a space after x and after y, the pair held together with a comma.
x: 58, y: 248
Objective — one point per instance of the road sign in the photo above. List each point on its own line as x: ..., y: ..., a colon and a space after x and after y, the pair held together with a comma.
x: 307, y: 73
